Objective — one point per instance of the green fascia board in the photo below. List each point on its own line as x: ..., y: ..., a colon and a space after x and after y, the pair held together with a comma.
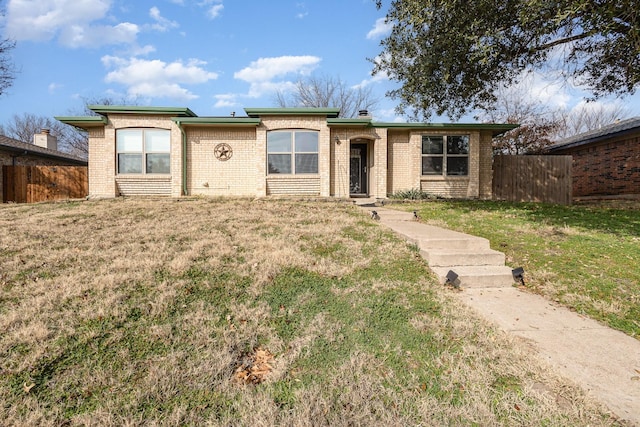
x: 495, y: 128
x: 135, y: 109
x: 348, y: 122
x: 83, y: 121
x: 217, y: 121
x: 326, y: 112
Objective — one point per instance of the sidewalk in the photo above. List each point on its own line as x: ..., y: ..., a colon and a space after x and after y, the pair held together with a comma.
x: 605, y: 362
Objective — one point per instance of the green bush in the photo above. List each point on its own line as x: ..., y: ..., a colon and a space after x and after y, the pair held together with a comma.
x: 413, y: 194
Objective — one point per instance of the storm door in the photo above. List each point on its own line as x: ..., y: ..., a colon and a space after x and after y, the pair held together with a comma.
x: 358, y: 170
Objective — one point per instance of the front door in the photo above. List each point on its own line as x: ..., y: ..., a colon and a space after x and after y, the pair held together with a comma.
x: 358, y: 170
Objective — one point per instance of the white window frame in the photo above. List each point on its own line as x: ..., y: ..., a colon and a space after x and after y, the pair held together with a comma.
x: 143, y: 152
x: 292, y: 152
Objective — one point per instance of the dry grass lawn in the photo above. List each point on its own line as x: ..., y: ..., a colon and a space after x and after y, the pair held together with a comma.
x: 242, y: 312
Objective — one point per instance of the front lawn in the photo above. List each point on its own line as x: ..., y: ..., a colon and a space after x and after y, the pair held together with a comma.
x: 240, y: 312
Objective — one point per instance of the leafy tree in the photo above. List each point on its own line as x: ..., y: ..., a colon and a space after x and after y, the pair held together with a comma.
x: 323, y: 91
x: 452, y: 56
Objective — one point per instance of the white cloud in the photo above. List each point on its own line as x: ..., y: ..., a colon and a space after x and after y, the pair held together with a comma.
x: 215, y: 11
x: 379, y: 77
x: 80, y: 36
x: 53, y: 87
x: 162, y: 24
x: 212, y: 11
x: 267, y: 76
x: 226, y: 100
x: 142, y: 50
x: 41, y: 20
x: 380, y: 29
x: 69, y: 20
x: 155, y: 78
x: 265, y: 69
x: 548, y: 91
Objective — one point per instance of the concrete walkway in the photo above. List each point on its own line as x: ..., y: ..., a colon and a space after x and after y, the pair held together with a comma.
x: 605, y: 362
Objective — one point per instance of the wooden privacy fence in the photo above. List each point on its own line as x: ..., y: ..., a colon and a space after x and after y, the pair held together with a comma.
x: 30, y: 184
x: 532, y: 179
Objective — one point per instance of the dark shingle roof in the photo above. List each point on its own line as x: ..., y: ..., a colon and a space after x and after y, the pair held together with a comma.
x: 10, y: 144
x: 605, y: 132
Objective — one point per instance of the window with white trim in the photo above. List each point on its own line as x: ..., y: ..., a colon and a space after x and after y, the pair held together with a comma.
x: 445, y: 155
x: 292, y: 152
x: 143, y: 151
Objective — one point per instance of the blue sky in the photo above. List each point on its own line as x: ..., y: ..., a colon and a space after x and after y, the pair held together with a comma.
x: 213, y: 56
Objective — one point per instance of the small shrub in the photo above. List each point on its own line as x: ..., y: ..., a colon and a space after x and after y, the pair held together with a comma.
x: 413, y: 194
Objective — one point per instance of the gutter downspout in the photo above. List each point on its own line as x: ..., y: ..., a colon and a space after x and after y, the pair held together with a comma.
x: 184, y: 159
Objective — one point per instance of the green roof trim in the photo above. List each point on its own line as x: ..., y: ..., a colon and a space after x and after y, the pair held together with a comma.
x: 349, y: 122
x: 326, y: 112
x: 135, y: 109
x: 217, y: 121
x: 83, y: 121
x: 496, y: 128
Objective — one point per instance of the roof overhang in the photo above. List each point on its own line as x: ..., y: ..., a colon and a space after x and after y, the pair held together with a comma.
x: 83, y: 122
x: 217, y: 121
x: 135, y: 109
x: 495, y: 128
x: 28, y: 152
x: 594, y: 140
x: 325, y: 112
x: 348, y: 122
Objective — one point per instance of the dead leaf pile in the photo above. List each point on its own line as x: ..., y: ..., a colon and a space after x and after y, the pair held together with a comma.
x: 254, y: 367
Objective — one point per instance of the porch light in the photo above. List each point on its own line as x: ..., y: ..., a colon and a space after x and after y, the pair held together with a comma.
x: 336, y: 139
x: 518, y: 275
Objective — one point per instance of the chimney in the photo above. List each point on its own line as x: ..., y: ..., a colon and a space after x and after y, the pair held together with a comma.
x: 44, y: 139
x: 364, y: 114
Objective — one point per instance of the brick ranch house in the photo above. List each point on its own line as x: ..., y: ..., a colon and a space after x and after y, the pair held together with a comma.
x: 169, y: 151
x: 43, y: 152
x: 606, y: 161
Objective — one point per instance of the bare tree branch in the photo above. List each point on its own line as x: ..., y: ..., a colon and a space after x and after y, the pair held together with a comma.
x: 324, y: 91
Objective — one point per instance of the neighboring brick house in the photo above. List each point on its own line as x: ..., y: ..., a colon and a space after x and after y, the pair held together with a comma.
x: 137, y: 150
x: 43, y: 152
x: 606, y: 161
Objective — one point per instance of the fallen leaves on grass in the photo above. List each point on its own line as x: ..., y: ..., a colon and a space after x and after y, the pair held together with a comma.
x: 254, y: 367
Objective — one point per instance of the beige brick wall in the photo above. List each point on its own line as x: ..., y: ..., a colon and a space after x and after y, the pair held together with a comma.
x: 486, y: 166
x: 318, y: 123
x: 102, y: 162
x: 448, y: 186
x: 394, y: 161
x: 376, y: 140
x: 379, y: 164
x: 102, y: 154
x: 206, y: 175
x: 399, y: 175
x: 339, y: 186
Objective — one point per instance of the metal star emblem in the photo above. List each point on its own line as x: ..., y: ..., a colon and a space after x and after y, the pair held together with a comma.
x: 223, y: 152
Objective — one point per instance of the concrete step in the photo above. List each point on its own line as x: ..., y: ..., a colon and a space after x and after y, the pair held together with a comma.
x: 469, y: 243
x: 480, y: 276
x: 447, y: 258
x: 427, y: 236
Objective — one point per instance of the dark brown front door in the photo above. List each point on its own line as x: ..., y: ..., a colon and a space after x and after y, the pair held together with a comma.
x: 358, y: 170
